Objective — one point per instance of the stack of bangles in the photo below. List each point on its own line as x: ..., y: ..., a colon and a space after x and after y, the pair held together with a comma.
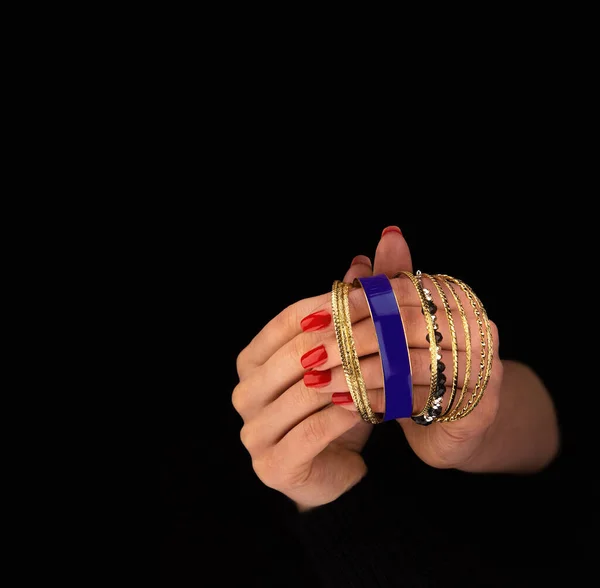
x: 394, y: 352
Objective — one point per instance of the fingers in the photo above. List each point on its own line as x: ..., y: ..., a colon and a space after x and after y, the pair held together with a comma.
x: 311, y: 315
x: 308, y: 438
x: 372, y: 373
x: 361, y: 267
x: 319, y: 352
x: 278, y: 331
x: 392, y: 254
x: 318, y: 388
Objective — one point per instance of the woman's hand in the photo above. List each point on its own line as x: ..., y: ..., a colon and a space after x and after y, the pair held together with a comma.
x: 308, y: 448
x: 300, y: 443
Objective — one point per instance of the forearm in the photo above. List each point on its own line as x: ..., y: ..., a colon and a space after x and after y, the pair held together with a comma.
x: 524, y: 438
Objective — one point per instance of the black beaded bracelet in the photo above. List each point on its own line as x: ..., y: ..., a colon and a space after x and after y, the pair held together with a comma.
x: 436, y: 407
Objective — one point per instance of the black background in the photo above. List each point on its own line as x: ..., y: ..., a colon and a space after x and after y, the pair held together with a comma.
x: 226, y: 263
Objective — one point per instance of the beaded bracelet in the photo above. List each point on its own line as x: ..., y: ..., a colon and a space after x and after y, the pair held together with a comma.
x: 437, y: 383
x: 453, y: 341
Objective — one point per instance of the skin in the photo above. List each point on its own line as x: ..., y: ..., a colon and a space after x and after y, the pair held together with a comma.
x: 310, y: 449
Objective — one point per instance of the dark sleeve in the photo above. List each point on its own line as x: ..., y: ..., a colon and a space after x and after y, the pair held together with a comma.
x: 367, y: 537
x: 407, y: 524
x: 350, y: 543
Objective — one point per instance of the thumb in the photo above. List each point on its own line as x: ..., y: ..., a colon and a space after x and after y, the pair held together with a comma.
x: 392, y: 254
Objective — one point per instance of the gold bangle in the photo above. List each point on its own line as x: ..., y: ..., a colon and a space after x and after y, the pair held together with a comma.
x: 433, y: 347
x: 454, y: 343
x: 467, y: 331
x: 485, y: 369
x: 350, y: 362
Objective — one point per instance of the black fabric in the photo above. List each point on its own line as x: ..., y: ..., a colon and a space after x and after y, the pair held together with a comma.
x: 405, y: 524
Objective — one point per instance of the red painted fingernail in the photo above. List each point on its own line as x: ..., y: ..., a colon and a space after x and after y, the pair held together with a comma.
x: 392, y: 229
x: 362, y: 259
x: 341, y: 398
x: 314, y: 357
x: 317, y: 379
x: 315, y: 321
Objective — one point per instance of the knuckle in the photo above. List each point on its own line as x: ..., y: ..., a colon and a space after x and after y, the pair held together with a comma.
x: 296, y: 348
x: 269, y: 471
x: 314, y: 429
x: 288, y: 318
x: 240, y: 362
x: 302, y: 395
x: 237, y: 398
x: 246, y: 436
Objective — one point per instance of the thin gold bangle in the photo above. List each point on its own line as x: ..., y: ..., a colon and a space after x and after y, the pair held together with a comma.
x: 454, y: 343
x: 485, y: 369
x: 350, y: 362
x: 467, y: 330
x: 433, y: 347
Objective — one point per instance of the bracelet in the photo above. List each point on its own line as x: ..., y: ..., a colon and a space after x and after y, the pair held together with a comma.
x: 350, y: 363
x: 437, y: 388
x: 453, y: 340
x: 485, y: 340
x: 467, y: 330
x: 393, y: 346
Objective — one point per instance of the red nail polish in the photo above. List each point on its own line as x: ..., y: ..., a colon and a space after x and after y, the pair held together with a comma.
x: 341, y: 398
x: 392, y: 229
x: 315, y: 321
x: 317, y: 379
x: 314, y: 357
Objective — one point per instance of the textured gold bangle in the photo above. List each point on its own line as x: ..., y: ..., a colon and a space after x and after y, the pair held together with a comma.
x: 433, y: 347
x: 485, y: 369
x: 467, y: 331
x: 353, y: 355
x: 350, y: 362
x: 454, y: 343
x: 337, y: 308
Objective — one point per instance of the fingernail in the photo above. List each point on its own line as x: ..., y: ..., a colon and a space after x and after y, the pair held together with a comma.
x: 317, y: 379
x: 362, y: 259
x: 314, y: 357
x: 341, y: 398
x: 315, y: 321
x: 390, y: 230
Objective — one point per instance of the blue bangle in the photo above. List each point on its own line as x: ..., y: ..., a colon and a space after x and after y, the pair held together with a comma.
x: 393, y: 347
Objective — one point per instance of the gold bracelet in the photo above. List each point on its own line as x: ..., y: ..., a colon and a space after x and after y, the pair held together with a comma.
x: 423, y: 416
x: 485, y: 339
x: 467, y: 331
x: 350, y: 362
x: 454, y: 343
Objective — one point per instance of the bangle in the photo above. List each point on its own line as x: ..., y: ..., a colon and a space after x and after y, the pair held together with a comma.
x: 486, y: 341
x: 428, y: 413
x: 393, y: 346
x: 453, y: 341
x: 343, y: 333
x: 465, y: 323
